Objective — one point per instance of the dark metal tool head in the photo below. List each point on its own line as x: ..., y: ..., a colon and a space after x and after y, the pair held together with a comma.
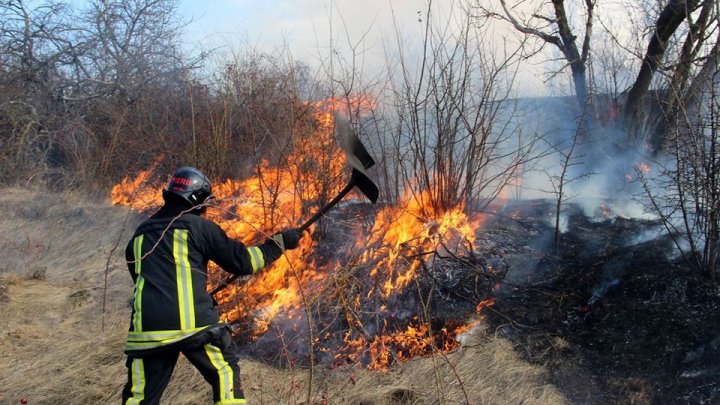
x: 365, y: 185
x: 357, y: 156
x: 358, y: 159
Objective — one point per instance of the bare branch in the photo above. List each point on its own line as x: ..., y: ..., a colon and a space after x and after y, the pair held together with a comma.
x: 525, y: 29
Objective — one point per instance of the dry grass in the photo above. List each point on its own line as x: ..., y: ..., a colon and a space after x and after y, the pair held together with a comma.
x: 50, y: 353
x: 53, y: 351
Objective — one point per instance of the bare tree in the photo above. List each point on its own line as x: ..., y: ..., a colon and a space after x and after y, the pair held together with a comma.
x: 698, y: 34
x: 38, y: 43
x: 686, y: 192
x: 670, y: 19
x: 82, y: 87
x: 553, y: 28
x: 698, y: 87
x: 452, y: 111
x: 137, y: 45
x: 38, y: 47
x: 571, y: 169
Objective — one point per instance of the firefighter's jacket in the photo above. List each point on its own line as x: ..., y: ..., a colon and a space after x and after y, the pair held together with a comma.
x: 167, y: 258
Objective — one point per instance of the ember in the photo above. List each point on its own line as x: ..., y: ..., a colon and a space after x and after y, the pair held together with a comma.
x: 643, y: 167
x: 362, y: 309
x: 484, y: 304
x: 605, y: 211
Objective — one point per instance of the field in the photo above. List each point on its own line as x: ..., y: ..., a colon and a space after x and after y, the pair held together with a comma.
x: 612, y: 319
x: 63, y: 331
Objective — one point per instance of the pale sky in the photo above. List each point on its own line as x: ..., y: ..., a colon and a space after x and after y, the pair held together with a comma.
x: 304, y: 27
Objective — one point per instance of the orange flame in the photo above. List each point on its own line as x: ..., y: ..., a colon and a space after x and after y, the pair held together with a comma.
x: 137, y: 192
x: 388, y: 347
x: 641, y: 169
x: 402, y: 233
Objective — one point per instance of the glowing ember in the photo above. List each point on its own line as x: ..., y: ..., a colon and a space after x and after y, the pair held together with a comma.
x: 389, y: 347
x: 605, y: 211
x: 484, y: 304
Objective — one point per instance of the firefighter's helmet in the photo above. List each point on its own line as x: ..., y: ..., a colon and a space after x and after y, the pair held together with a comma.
x: 190, y: 185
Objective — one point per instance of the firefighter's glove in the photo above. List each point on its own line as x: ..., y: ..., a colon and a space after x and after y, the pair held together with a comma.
x: 288, y: 239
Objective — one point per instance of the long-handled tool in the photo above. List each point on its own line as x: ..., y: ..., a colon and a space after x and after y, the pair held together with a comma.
x: 359, y: 160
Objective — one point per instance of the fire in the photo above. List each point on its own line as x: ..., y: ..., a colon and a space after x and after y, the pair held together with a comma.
x: 641, y: 169
x: 388, y: 347
x: 136, y: 192
x: 400, y: 240
x: 360, y: 104
x: 401, y: 233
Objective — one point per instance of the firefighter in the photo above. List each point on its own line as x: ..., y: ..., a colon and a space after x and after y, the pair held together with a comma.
x: 172, y: 311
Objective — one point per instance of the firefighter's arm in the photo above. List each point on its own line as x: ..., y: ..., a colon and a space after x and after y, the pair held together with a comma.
x: 236, y: 258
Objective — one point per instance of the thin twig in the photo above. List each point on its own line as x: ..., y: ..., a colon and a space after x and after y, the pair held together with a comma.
x: 107, y: 266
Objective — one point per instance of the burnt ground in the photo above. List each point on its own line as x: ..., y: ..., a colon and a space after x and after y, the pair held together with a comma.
x: 614, y: 314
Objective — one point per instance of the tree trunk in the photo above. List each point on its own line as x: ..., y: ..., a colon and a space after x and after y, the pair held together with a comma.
x: 693, y: 42
x: 563, y: 39
x: 703, y: 79
x: 667, y: 23
x: 572, y: 55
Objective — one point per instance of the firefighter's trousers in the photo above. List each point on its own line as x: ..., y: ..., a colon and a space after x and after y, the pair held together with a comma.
x: 213, y: 354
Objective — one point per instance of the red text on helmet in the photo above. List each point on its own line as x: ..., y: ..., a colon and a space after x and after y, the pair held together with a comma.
x: 181, y: 181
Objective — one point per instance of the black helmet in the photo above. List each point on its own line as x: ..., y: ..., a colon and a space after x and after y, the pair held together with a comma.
x: 190, y: 185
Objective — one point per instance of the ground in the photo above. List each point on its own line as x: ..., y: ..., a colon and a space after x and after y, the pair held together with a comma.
x: 614, y: 316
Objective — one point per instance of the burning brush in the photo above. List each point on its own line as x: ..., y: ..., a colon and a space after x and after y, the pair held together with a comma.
x: 373, y: 309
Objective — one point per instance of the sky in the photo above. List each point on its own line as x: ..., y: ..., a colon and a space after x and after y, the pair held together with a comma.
x: 308, y: 27
x: 304, y: 25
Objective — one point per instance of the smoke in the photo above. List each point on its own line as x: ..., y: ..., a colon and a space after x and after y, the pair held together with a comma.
x: 563, y: 223
x: 601, y: 170
x: 612, y: 272
x: 647, y: 235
